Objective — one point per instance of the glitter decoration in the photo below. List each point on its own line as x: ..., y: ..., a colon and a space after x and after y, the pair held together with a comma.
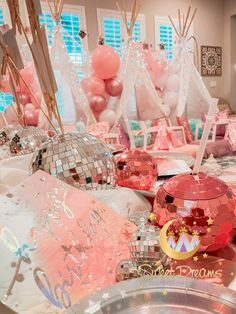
x: 3, y: 137
x: 26, y: 140
x: 80, y: 160
x: 144, y: 245
x: 126, y: 269
x: 136, y: 169
x: 204, y: 204
x: 138, y: 217
x: 8, y: 132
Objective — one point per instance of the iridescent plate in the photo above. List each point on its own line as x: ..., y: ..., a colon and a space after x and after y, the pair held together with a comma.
x: 167, y: 295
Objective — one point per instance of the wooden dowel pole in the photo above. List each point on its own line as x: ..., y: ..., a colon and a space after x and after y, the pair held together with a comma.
x: 186, y: 20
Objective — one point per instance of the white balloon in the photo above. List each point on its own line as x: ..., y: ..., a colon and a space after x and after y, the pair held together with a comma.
x: 173, y: 83
x: 107, y: 115
x: 171, y: 99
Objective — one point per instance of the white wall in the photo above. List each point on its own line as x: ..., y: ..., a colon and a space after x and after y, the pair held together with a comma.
x: 230, y: 51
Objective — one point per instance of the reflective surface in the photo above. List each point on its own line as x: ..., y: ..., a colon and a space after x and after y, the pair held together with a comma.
x: 166, y: 295
x: 204, y: 203
x: 136, y: 170
x: 80, y: 160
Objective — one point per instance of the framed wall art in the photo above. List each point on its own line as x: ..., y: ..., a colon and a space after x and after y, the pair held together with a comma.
x: 211, y: 61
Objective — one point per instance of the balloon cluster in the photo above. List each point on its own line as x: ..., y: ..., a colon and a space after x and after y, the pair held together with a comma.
x: 164, y: 75
x: 103, y: 83
x: 30, y: 106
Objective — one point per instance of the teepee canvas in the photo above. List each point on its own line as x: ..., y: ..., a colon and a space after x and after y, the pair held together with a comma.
x: 139, y: 99
x: 69, y: 91
x: 194, y: 98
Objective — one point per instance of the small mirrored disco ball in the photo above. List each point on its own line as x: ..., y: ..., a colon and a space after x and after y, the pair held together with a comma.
x: 144, y: 245
x: 204, y: 203
x: 8, y: 132
x: 126, y: 269
x: 136, y: 169
x: 26, y: 140
x: 80, y: 160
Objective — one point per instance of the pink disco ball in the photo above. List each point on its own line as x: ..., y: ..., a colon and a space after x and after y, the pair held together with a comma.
x: 136, y: 169
x: 203, y: 203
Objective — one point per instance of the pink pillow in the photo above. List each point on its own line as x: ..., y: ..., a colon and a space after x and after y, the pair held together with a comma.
x: 187, y: 130
x: 218, y: 148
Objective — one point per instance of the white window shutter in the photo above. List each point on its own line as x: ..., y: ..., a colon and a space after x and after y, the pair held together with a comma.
x: 165, y: 34
x: 112, y: 28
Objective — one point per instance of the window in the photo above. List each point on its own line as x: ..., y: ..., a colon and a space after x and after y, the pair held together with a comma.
x: 72, y: 20
x: 112, y: 28
x: 5, y: 98
x: 165, y: 34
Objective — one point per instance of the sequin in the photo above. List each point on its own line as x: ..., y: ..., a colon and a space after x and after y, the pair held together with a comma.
x: 196, y: 198
x: 86, y: 162
x: 136, y: 169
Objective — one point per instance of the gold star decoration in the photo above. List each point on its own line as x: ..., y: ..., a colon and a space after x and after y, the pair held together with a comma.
x: 183, y: 230
x: 210, y: 221
x: 165, y: 293
x: 195, y: 233
x: 205, y: 255
x: 152, y: 217
x: 195, y: 259
x: 171, y: 233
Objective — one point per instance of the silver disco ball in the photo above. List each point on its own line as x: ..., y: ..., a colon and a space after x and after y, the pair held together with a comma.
x: 144, y: 245
x: 126, y: 269
x: 8, y: 132
x: 80, y: 160
x: 26, y: 140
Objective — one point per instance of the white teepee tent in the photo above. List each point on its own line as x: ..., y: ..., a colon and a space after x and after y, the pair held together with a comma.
x: 69, y: 91
x: 135, y: 77
x: 192, y: 87
x: 194, y: 98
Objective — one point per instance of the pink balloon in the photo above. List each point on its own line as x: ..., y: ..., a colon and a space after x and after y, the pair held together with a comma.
x: 5, y: 85
x: 31, y: 116
x: 24, y: 98
x: 38, y: 96
x: 10, y: 114
x: 93, y: 85
x: 105, y: 62
x: 30, y: 107
x: 113, y: 87
x: 171, y: 99
x: 28, y: 74
x: 108, y: 115
x: 98, y: 103
x: 161, y: 80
